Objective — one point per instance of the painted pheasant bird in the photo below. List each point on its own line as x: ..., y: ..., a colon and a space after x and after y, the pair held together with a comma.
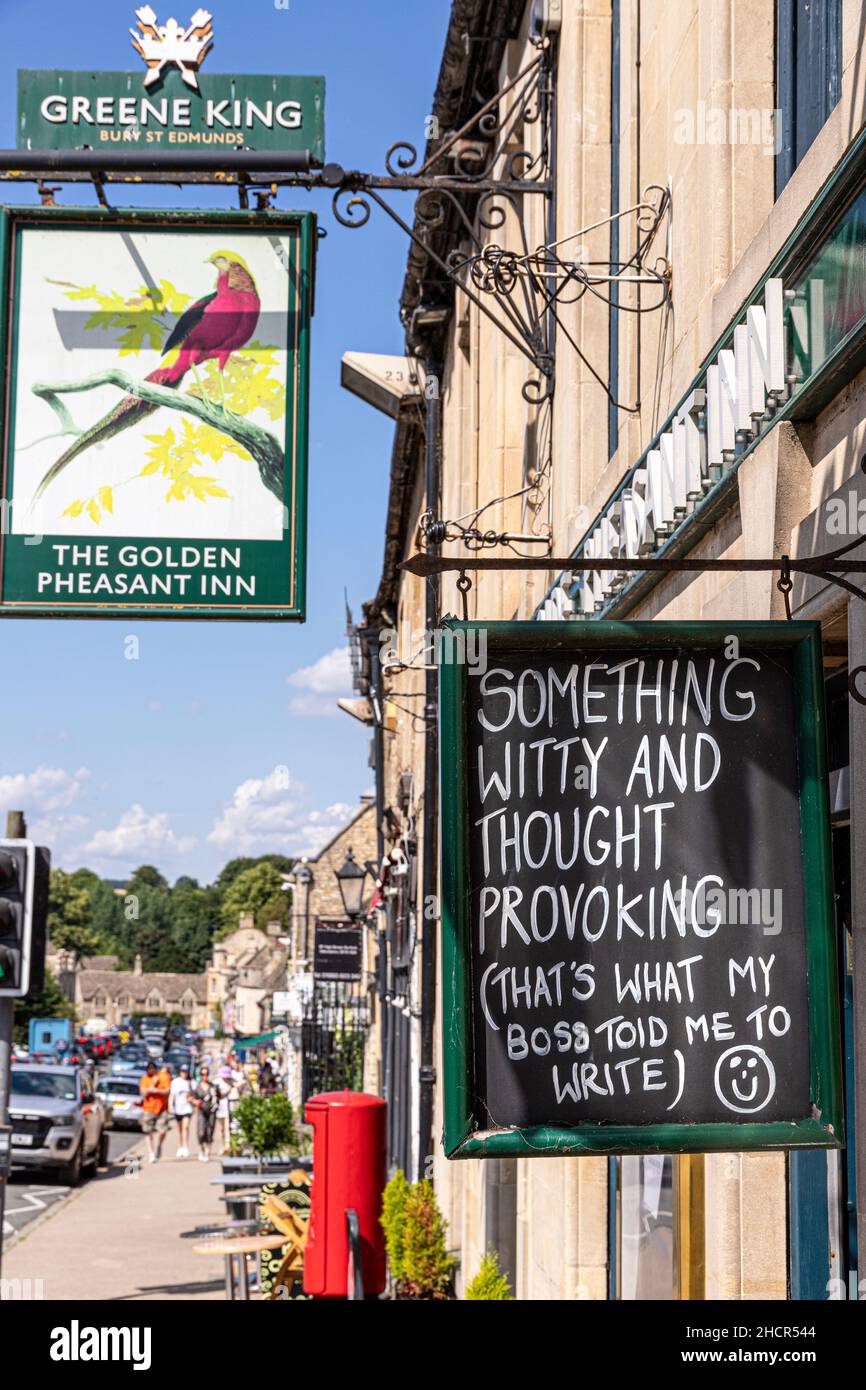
x: 211, y: 329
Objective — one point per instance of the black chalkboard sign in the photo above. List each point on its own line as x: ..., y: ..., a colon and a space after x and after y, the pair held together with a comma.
x: 337, y: 951
x: 637, y: 903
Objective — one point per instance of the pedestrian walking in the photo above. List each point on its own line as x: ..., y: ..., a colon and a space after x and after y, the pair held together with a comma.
x: 267, y: 1080
x: 205, y: 1097
x: 154, y: 1087
x: 224, y: 1089
x: 180, y: 1105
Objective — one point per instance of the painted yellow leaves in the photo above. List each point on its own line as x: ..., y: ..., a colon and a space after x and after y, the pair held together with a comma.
x: 92, y: 506
x: 176, y: 456
x: 139, y: 319
x: 186, y: 454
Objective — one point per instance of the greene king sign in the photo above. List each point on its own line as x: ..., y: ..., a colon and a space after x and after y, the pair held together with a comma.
x: 68, y: 110
x: 156, y: 432
x: 171, y: 103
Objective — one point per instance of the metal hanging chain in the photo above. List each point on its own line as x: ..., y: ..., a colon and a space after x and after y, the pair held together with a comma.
x: 464, y: 584
x: 786, y: 584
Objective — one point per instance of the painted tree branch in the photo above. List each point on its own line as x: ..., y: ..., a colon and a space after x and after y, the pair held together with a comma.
x: 259, y: 443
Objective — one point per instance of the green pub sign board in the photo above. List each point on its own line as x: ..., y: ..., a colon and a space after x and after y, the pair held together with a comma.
x: 155, y: 432
x: 637, y: 912
x: 111, y: 110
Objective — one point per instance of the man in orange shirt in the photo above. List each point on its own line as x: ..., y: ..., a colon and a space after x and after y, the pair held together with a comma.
x: 154, y: 1087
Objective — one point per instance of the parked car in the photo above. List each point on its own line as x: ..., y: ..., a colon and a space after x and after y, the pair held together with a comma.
x: 154, y: 1026
x: 177, y: 1057
x: 89, y: 1046
x: 130, y: 1060
x: 155, y: 1047
x: 57, y: 1119
x: 122, y: 1100
x: 75, y: 1056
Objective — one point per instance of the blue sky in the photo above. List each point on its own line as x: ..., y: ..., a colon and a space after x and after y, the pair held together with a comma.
x: 221, y: 738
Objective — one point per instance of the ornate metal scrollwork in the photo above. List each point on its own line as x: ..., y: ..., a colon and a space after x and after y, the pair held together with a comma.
x: 476, y: 176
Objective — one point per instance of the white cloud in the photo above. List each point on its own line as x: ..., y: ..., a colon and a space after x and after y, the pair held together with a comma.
x: 50, y: 799
x: 45, y: 791
x: 139, y: 835
x: 269, y: 815
x: 309, y: 706
x: 330, y: 675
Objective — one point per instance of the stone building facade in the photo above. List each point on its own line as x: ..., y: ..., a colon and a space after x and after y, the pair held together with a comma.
x: 741, y: 153
x: 245, y: 969
x: 315, y: 888
x: 99, y: 990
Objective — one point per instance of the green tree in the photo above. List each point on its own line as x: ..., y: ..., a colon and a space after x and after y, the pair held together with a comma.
x: 151, y: 932
x: 229, y: 872
x: 235, y: 867
x: 490, y: 1283
x: 251, y: 891
x: 277, y: 909
x: 427, y: 1266
x: 195, y: 917
x: 265, y: 1124
x: 50, y: 1003
x: 70, y: 918
x: 108, y: 920
x: 146, y: 876
x: 394, y: 1223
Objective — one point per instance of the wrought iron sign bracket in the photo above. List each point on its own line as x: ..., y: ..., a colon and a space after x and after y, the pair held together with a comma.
x: 831, y: 566
x: 478, y: 175
x: 474, y: 180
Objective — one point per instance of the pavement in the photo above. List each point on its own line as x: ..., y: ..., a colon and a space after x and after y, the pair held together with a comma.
x: 32, y: 1191
x: 116, y: 1239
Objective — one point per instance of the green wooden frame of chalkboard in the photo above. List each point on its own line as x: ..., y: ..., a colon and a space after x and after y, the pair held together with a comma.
x: 463, y: 1135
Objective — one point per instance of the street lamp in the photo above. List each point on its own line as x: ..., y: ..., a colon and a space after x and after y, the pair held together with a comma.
x: 303, y: 876
x: 351, y: 880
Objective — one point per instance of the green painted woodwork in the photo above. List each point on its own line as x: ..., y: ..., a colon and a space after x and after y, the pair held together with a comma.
x: 279, y: 566
x: 463, y: 1137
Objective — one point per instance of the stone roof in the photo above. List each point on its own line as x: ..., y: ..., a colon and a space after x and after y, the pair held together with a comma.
x: 99, y: 962
x: 264, y: 967
x: 126, y: 983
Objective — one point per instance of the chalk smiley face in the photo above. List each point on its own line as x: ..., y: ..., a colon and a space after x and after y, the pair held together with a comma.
x: 745, y: 1079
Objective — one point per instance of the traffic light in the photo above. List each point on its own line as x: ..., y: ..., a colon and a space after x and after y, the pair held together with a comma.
x: 24, y: 874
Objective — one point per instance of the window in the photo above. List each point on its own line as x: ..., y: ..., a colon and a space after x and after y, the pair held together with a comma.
x: 645, y: 1264
x: 808, y: 72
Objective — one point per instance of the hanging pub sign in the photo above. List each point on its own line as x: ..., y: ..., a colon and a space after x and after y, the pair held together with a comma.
x: 155, y: 441
x: 337, y: 951
x: 171, y: 104
x: 638, y: 934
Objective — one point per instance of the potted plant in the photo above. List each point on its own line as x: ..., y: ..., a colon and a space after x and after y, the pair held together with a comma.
x: 420, y: 1265
x: 490, y: 1283
x: 264, y: 1125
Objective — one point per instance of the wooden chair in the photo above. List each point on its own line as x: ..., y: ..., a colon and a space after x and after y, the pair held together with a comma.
x: 295, y: 1229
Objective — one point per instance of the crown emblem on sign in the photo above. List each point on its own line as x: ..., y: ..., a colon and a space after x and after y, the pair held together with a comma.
x: 163, y: 44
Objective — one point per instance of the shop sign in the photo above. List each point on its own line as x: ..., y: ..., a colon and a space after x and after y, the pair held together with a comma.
x: 171, y: 104
x: 337, y: 951
x: 155, y: 445
x: 637, y: 914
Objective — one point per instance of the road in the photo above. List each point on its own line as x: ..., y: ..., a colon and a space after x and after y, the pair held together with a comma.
x: 31, y: 1192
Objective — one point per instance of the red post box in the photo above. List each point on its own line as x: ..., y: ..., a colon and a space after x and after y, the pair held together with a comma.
x: 349, y: 1169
